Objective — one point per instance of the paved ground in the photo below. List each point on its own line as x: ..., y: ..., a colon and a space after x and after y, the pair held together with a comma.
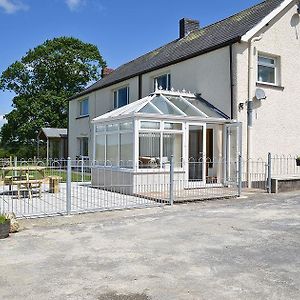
x: 232, y: 249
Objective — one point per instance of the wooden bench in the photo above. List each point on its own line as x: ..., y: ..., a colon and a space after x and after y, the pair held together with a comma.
x: 28, y: 184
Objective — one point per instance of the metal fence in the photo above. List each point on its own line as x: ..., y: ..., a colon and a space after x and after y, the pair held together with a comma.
x: 37, y: 188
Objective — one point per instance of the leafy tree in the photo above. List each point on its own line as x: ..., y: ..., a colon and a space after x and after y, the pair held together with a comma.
x: 42, y: 81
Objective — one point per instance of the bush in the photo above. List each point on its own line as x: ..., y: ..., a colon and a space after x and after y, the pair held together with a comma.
x: 3, y: 219
x: 4, y: 153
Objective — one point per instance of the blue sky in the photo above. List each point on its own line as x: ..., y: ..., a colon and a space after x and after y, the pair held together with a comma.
x: 122, y: 29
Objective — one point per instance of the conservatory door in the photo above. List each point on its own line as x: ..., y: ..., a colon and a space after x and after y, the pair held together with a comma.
x: 196, y: 153
x: 232, y: 150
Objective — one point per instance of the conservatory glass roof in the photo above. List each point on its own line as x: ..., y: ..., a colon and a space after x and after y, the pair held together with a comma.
x: 170, y: 103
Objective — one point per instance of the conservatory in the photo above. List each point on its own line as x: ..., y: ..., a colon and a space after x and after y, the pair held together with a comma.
x: 141, y: 138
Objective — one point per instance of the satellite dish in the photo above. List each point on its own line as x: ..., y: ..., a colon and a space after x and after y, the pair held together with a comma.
x: 260, y: 94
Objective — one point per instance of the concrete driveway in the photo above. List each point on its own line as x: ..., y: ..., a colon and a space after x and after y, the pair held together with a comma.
x: 228, y: 249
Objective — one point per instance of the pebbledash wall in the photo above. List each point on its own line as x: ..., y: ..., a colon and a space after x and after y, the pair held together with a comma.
x: 276, y: 121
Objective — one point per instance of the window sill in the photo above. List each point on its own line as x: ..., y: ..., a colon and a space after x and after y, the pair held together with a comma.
x: 82, y: 117
x: 270, y: 85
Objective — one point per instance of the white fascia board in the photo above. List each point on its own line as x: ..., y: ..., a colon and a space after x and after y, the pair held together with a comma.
x: 246, y: 37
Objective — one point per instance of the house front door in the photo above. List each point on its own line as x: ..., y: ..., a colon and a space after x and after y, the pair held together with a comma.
x: 196, y: 153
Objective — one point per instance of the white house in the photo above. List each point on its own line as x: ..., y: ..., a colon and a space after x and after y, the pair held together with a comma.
x: 247, y: 66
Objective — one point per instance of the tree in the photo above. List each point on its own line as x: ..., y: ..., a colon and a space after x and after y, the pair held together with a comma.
x: 42, y: 81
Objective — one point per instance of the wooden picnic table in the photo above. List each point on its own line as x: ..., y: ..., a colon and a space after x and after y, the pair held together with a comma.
x: 24, y: 169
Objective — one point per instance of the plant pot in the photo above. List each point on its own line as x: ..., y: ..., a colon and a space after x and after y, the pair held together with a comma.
x: 298, y: 162
x: 4, y: 229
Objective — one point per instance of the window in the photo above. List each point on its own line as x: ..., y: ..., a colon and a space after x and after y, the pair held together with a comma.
x: 163, y: 82
x: 121, y: 97
x: 149, y: 150
x: 100, y: 149
x: 172, y: 145
x: 267, y: 69
x: 83, y: 146
x: 84, y: 107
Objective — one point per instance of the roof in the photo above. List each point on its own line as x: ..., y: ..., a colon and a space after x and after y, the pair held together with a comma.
x: 217, y: 35
x: 164, y: 104
x: 54, y: 132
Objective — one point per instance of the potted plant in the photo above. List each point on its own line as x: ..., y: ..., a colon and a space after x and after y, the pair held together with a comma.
x: 4, y: 226
x: 298, y: 161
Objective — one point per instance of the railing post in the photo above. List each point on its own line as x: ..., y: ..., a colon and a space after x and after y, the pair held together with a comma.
x: 172, y: 180
x: 240, y: 173
x: 82, y: 173
x: 269, y: 188
x: 69, y: 182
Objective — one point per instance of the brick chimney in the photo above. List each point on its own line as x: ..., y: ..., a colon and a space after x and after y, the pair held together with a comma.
x: 105, y: 71
x: 186, y: 26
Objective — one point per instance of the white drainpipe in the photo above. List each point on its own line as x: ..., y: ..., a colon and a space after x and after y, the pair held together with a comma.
x: 251, y: 82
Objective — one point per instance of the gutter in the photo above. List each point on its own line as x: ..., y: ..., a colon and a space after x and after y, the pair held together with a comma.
x: 213, y: 48
x: 251, y: 56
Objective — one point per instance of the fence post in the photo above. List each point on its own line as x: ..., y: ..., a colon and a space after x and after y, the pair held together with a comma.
x: 269, y: 173
x: 240, y: 173
x: 69, y: 181
x: 82, y: 173
x: 172, y: 180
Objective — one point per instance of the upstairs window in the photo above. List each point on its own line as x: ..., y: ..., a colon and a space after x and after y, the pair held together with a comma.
x: 163, y: 82
x: 267, y: 69
x: 121, y: 97
x: 84, y: 107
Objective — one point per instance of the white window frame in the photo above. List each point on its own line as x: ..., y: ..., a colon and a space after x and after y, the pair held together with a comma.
x: 269, y: 65
x: 116, y: 91
x: 80, y: 102
x: 169, y: 80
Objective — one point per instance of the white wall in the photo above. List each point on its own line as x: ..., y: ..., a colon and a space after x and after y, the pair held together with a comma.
x: 276, y: 126
x: 207, y: 74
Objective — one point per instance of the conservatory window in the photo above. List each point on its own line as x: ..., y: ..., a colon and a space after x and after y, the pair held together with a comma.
x: 126, y: 126
x: 126, y: 149
x: 112, y: 149
x: 166, y: 107
x: 266, y: 69
x: 121, y: 97
x: 172, y: 145
x: 150, y: 125
x: 149, y: 150
x: 100, y: 149
x: 173, y: 126
x: 163, y: 82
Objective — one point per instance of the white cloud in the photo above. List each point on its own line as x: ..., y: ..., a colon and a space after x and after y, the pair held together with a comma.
x: 12, y: 6
x: 74, y: 4
x: 2, y: 120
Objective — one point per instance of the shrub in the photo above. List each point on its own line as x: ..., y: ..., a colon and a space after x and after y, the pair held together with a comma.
x: 3, y: 219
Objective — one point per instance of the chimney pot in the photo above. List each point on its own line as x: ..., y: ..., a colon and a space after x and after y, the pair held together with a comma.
x: 106, y: 71
x: 186, y: 26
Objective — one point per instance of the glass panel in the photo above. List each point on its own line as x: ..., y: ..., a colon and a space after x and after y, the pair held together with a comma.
x: 149, y: 109
x: 163, y: 82
x: 172, y: 145
x: 100, y: 128
x: 84, y: 107
x: 84, y: 146
x: 112, y: 127
x: 149, y: 150
x: 126, y: 126
x: 123, y: 97
x: 266, y: 60
x: 206, y: 108
x: 150, y: 125
x: 112, y: 145
x: 115, y: 99
x: 196, y: 153
x: 100, y: 149
x: 173, y: 126
x: 266, y: 74
x: 187, y: 108
x: 164, y: 106
x: 126, y: 150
